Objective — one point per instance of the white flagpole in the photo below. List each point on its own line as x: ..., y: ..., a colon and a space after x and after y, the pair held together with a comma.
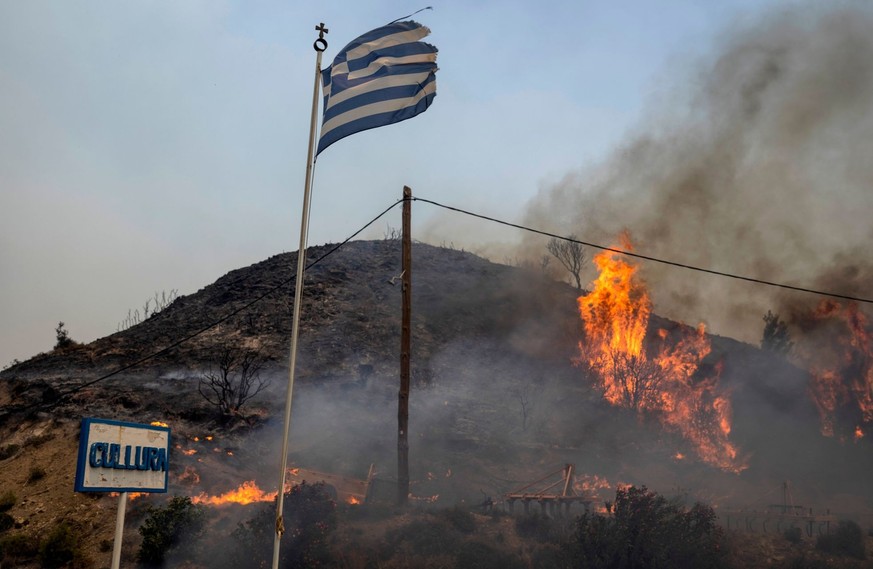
x: 320, y: 45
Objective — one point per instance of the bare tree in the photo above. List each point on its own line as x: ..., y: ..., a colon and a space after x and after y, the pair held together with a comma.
x: 236, y: 381
x: 524, y: 394
x: 571, y: 254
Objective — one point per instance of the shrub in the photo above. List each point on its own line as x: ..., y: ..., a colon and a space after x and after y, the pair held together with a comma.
x: 478, y: 555
x: 309, y: 519
x: 6, y: 522
x: 36, y: 474
x: 459, y: 518
x: 848, y: 539
x: 8, y: 450
x: 7, y: 500
x: 168, y: 526
x: 62, y: 548
x: 647, y: 531
x: 540, y: 528
x: 426, y: 538
x: 62, y: 338
x: 17, y: 547
x: 548, y: 556
x: 793, y: 535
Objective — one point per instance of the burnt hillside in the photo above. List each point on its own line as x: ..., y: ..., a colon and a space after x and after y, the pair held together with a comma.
x: 497, y: 399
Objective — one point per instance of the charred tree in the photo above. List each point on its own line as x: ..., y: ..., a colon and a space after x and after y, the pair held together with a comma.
x: 571, y: 255
x: 236, y: 380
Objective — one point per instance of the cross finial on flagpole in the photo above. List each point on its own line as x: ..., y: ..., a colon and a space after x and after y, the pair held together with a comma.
x: 321, y: 43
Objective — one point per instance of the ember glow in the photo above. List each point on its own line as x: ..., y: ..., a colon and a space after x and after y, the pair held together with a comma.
x: 131, y: 496
x: 247, y: 493
x: 837, y: 348
x: 662, y: 377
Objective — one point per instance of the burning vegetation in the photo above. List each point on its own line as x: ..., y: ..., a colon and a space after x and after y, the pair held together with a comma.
x: 836, y: 347
x: 662, y: 376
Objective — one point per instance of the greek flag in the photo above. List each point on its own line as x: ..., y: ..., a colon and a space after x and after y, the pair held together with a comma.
x: 383, y: 77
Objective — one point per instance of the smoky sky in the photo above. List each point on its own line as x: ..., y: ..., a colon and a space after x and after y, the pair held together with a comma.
x: 755, y: 160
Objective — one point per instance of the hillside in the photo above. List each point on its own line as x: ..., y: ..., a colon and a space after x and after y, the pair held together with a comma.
x: 497, y: 400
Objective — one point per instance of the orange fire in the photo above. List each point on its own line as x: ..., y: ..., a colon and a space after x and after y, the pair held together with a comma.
x: 158, y: 424
x: 189, y: 476
x: 189, y: 452
x: 131, y: 496
x: 247, y: 493
x: 837, y: 348
x: 662, y: 377
x: 353, y: 500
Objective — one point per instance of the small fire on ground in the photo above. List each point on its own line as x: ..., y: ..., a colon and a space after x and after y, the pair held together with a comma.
x: 247, y: 493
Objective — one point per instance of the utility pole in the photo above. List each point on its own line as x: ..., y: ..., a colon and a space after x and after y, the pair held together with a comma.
x: 405, y: 341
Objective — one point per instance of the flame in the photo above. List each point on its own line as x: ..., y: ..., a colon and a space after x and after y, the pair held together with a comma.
x: 131, y: 496
x: 661, y: 377
x: 840, y: 361
x: 209, y: 438
x: 247, y: 493
x: 189, y: 452
x: 189, y: 476
x: 158, y: 424
x: 426, y: 499
x: 590, y: 484
x: 353, y: 500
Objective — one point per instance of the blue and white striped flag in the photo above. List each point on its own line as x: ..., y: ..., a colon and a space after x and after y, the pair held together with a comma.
x: 383, y: 77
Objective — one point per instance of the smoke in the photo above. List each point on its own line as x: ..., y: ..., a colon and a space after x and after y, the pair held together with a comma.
x: 758, y: 165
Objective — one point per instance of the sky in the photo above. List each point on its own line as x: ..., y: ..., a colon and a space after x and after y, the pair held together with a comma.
x: 150, y: 146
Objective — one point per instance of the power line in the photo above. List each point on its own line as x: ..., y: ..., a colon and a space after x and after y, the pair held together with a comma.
x: 224, y: 318
x: 648, y: 258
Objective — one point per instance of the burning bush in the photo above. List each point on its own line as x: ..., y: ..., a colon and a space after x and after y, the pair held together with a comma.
x: 664, y: 376
x: 646, y: 530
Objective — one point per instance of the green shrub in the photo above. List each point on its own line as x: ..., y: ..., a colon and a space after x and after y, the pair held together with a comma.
x: 7, y: 500
x: 18, y: 547
x: 309, y: 520
x: 62, y: 548
x: 168, y: 526
x: 459, y: 518
x: 6, y: 522
x: 647, y: 531
x: 36, y: 474
x: 848, y: 539
x: 8, y: 450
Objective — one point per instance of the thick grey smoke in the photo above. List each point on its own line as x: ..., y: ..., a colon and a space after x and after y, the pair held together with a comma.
x: 760, y: 165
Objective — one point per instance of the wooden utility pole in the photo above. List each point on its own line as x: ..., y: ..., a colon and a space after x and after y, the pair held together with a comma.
x: 405, y: 341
